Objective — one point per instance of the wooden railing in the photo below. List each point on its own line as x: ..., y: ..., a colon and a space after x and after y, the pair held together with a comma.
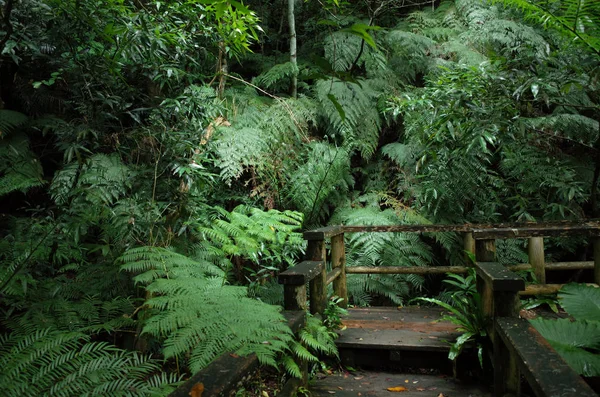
x: 479, y: 240
x: 518, y: 348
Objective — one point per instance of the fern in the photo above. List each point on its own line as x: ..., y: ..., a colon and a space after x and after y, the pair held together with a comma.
x: 578, y: 19
x: 10, y: 120
x: 315, y: 341
x: 57, y: 363
x: 381, y: 249
x: 275, y: 75
x: 20, y: 170
x: 350, y: 112
x: 180, y: 293
x: 321, y: 182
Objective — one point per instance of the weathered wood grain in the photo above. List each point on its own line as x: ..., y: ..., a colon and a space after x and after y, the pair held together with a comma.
x: 499, y: 278
x: 545, y: 289
x: 485, y: 250
x: 317, y: 286
x: 323, y: 233
x: 333, y: 275
x: 302, y: 273
x: 338, y: 261
x: 547, y: 373
x: 589, y: 228
x: 555, y: 266
x: 406, y: 270
x: 406, y: 229
x: 535, y: 249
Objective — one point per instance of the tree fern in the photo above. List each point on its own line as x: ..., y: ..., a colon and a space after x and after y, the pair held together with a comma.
x: 180, y: 293
x: 320, y: 182
x: 579, y: 19
x: 20, y: 170
x: 359, y: 122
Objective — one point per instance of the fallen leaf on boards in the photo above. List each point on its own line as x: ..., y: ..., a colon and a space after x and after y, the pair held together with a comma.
x: 397, y: 389
x: 197, y: 390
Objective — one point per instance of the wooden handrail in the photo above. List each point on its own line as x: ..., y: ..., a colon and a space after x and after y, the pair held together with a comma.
x: 546, y: 372
x: 302, y: 273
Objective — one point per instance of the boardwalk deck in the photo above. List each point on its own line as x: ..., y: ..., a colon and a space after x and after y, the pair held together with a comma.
x: 374, y: 384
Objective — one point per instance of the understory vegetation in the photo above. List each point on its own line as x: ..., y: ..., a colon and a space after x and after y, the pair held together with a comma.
x: 160, y: 159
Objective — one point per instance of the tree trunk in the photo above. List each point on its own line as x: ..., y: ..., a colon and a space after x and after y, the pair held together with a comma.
x: 293, y: 57
x: 222, y: 69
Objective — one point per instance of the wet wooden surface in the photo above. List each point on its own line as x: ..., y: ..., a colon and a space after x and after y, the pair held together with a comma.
x: 547, y: 373
x: 373, y: 384
x: 406, y: 328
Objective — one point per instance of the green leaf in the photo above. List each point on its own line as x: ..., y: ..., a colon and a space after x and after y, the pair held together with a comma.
x: 337, y: 105
x: 581, y: 301
x: 573, y: 333
x: 361, y: 30
x: 569, y: 339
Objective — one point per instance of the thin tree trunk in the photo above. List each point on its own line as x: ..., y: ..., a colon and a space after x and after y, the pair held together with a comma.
x: 222, y: 70
x: 293, y: 56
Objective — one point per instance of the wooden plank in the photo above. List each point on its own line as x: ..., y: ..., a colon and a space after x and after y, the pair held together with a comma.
x: 407, y: 228
x: 338, y: 261
x: 597, y: 260
x: 485, y: 250
x: 317, y: 286
x: 376, y: 383
x: 590, y: 228
x: 535, y: 249
x: 498, y: 277
x: 480, y: 231
x: 460, y: 269
x: 403, y: 317
x: 547, y: 373
x: 302, y: 273
x: 469, y: 247
x: 294, y: 297
x: 412, y: 328
x: 223, y: 374
x: 406, y: 270
x: 395, y: 339
x: 555, y: 266
x: 333, y: 275
x: 323, y: 233
x: 545, y: 289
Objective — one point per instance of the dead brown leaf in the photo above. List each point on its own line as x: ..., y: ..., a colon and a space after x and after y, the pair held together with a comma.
x: 197, y: 390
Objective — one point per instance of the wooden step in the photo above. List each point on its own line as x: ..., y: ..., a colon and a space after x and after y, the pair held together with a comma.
x: 373, y: 384
x: 410, y: 336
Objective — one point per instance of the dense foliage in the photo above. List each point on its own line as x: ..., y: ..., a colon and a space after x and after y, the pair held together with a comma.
x: 158, y: 160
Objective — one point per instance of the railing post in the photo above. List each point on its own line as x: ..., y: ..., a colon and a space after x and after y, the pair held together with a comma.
x: 507, y: 376
x: 469, y: 247
x: 500, y: 287
x: 486, y: 250
x: 535, y: 248
x: 597, y: 260
x: 317, y: 286
x: 338, y: 260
